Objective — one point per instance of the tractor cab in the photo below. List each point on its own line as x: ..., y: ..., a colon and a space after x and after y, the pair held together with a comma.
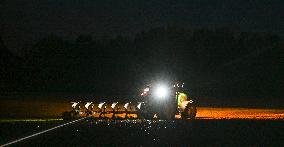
x: 165, y: 101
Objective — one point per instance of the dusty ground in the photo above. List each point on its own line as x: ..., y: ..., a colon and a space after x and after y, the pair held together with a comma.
x: 45, y: 109
x: 239, y: 113
x: 214, y: 126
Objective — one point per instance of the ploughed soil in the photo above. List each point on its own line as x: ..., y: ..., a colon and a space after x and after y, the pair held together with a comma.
x: 55, y: 108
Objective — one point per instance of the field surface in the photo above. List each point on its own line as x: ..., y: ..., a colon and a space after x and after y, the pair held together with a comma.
x: 43, y: 109
x: 40, y: 124
x: 101, y: 132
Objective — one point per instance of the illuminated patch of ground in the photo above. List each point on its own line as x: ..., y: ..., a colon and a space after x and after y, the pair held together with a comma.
x: 225, y: 113
x: 45, y: 109
x: 28, y: 120
x: 239, y: 113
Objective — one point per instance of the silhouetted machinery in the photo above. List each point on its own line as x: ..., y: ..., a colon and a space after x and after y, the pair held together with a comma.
x: 156, y: 101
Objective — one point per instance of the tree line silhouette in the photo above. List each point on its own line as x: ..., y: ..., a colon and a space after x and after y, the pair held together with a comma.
x: 212, y: 62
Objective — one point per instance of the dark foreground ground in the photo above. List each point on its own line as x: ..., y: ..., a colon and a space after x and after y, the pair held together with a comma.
x: 200, y: 132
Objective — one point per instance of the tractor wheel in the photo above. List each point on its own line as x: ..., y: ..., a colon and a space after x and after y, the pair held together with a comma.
x: 189, y: 112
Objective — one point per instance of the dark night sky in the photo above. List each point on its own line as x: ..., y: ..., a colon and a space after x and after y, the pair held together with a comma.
x: 24, y: 21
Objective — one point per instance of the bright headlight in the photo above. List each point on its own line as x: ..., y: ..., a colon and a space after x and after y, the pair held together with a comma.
x: 161, y: 92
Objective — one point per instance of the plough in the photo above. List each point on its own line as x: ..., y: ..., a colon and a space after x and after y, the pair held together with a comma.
x: 154, y: 101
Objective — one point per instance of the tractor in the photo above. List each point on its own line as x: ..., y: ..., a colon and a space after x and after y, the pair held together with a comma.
x: 156, y: 101
x: 164, y: 102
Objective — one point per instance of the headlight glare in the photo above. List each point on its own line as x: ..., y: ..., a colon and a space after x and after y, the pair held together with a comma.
x: 161, y: 92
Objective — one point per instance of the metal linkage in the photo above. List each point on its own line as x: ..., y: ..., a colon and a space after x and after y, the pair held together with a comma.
x: 102, y: 106
x: 76, y: 108
x: 115, y: 109
x: 89, y: 108
x: 126, y: 107
x: 139, y: 105
x: 139, y: 109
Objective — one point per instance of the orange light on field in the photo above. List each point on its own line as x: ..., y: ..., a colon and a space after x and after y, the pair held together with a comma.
x: 239, y: 113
